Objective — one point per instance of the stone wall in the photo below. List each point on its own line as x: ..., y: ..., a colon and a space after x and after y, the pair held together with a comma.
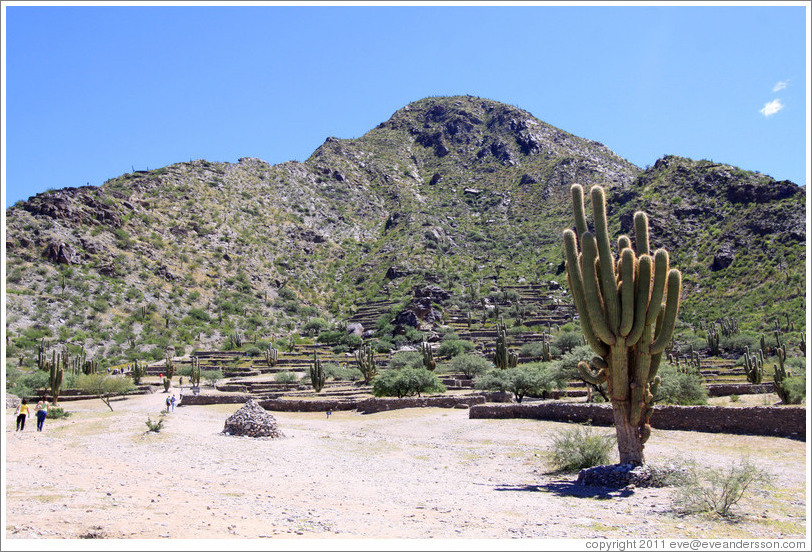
x: 365, y: 406
x: 778, y: 421
x: 725, y: 389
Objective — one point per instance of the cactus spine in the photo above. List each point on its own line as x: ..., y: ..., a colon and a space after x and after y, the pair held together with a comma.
x: 623, y: 317
x: 317, y: 376
x: 428, y: 357
x: 365, y: 357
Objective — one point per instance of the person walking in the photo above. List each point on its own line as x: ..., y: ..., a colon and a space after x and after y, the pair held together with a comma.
x: 173, y: 403
x: 22, y: 413
x: 42, y: 413
x: 168, y: 404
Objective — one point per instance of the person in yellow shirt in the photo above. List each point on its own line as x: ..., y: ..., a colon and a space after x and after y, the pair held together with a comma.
x: 22, y: 413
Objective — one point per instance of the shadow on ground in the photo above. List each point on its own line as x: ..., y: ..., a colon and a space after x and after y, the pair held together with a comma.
x: 563, y: 487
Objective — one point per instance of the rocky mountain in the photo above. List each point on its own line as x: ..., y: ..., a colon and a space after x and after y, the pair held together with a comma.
x: 463, y: 192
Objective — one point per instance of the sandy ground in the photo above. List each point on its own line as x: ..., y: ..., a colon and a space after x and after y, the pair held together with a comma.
x: 425, y: 473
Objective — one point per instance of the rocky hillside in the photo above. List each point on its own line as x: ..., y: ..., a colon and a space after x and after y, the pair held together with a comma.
x: 465, y: 193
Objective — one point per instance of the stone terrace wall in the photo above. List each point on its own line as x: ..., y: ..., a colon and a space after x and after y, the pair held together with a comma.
x: 783, y: 421
x: 365, y: 406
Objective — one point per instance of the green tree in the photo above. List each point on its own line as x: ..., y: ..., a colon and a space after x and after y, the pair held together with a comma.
x: 106, y: 387
x: 525, y: 379
x: 470, y: 365
x: 407, y: 382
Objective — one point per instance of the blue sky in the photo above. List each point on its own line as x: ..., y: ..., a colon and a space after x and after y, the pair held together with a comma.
x: 92, y: 92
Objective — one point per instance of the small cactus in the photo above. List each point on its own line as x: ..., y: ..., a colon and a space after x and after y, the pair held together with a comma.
x: 365, y: 358
x: 317, y: 377
x: 428, y: 357
x: 754, y: 366
x: 271, y: 356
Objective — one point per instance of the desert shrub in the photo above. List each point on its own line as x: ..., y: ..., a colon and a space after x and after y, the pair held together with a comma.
x: 454, y: 347
x: 406, y: 382
x: 253, y: 351
x: 706, y: 489
x: 738, y: 343
x: 582, y: 446
x: 330, y: 337
x: 285, y: 377
x: 106, y: 387
x: 526, y: 379
x: 211, y: 377
x: 25, y: 384
x: 795, y: 387
x: 406, y: 359
x: 56, y: 412
x: 565, y: 342
x: 533, y: 349
x: 678, y: 387
x: 470, y: 365
x: 384, y: 346
x: 155, y: 426
x: 566, y: 368
x: 314, y: 326
x: 338, y: 373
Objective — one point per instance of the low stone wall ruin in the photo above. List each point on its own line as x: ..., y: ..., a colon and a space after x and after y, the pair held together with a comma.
x: 777, y: 421
x: 365, y: 406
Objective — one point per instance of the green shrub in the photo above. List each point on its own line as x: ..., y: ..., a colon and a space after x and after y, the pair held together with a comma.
x: 678, y: 387
x: 56, y: 412
x: 526, y: 379
x: 470, y: 365
x: 155, y: 426
x: 347, y: 373
x: 406, y: 382
x: 581, y: 447
x: 211, y: 377
x: 406, y: 359
x: 565, y: 342
x: 738, y: 343
x: 706, y: 489
x: 285, y: 377
x: 454, y: 347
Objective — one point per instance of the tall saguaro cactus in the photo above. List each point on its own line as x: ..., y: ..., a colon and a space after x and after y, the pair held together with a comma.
x: 623, y: 317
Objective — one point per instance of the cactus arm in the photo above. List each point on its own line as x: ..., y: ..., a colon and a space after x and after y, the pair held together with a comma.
x: 628, y: 265
x: 595, y: 378
x: 607, y: 267
x: 576, y: 283
x: 641, y: 232
x: 660, y: 276
x: 671, y: 309
x: 641, y: 300
x: 598, y: 316
x: 577, y: 192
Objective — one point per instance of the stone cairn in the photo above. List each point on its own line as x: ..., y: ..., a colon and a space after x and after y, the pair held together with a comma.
x: 252, y: 421
x: 618, y: 476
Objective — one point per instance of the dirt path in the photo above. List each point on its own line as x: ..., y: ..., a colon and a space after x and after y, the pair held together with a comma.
x: 414, y: 473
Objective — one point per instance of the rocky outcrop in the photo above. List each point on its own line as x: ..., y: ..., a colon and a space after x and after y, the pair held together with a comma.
x: 252, y: 421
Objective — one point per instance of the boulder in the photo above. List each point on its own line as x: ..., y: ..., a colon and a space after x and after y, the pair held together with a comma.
x: 252, y: 421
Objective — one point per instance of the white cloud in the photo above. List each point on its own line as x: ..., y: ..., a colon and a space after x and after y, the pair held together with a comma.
x: 780, y: 85
x: 771, y: 108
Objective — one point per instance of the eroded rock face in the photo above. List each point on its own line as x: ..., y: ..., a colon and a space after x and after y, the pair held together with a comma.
x: 252, y: 421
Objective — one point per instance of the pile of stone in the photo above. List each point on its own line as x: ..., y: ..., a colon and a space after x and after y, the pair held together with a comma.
x: 618, y: 476
x: 252, y: 421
